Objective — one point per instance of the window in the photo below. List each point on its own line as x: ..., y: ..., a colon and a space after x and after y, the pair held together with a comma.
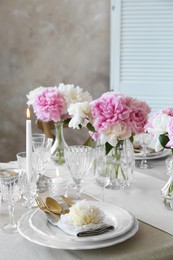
x: 142, y: 50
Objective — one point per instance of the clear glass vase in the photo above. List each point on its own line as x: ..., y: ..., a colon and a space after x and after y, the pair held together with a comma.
x: 57, y: 150
x: 167, y: 190
x: 121, y: 162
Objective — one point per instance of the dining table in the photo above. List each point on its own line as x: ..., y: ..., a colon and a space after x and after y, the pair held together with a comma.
x: 152, y: 240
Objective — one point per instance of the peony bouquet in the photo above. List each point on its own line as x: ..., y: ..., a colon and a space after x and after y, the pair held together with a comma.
x: 160, y: 126
x: 114, y: 117
x: 52, y: 103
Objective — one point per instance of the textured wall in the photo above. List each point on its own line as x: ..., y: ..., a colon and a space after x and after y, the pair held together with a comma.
x: 44, y: 43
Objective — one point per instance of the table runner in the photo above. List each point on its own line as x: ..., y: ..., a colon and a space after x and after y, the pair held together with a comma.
x: 142, y: 198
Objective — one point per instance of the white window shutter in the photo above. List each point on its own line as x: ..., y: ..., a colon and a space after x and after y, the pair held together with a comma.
x: 142, y: 50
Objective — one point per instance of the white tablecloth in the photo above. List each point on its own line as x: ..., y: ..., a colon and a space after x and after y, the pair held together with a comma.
x: 149, y: 243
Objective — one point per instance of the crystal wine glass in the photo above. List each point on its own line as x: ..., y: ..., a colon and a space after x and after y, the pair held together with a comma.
x: 78, y: 159
x: 43, y: 148
x: 102, y: 174
x: 144, y: 139
x: 29, y: 187
x: 10, y: 185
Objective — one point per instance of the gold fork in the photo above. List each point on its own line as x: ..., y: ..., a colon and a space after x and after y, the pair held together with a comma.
x: 44, y: 208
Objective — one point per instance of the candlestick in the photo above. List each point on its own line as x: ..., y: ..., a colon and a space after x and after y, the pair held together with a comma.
x: 28, y: 146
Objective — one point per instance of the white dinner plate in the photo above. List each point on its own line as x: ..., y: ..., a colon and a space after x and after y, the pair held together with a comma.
x: 153, y: 155
x: 30, y: 234
x: 121, y: 219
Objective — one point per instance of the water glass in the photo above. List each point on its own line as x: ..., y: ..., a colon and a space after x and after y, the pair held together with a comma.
x: 29, y: 187
x: 10, y: 186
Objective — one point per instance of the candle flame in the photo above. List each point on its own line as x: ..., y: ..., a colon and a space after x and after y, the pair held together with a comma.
x: 27, y: 113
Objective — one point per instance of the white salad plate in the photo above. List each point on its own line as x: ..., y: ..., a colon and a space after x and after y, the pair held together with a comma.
x: 34, y: 226
x: 153, y: 155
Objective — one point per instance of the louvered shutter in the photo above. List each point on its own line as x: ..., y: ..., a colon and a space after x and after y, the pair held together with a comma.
x: 142, y: 50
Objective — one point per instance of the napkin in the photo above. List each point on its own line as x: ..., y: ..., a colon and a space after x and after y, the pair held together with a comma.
x: 83, y: 231
x: 93, y: 232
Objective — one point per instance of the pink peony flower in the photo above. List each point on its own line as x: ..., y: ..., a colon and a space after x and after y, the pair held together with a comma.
x: 116, y: 116
x: 49, y: 105
x: 138, y: 116
x: 109, y: 109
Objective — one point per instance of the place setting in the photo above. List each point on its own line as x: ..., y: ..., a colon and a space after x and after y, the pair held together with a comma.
x: 83, y: 225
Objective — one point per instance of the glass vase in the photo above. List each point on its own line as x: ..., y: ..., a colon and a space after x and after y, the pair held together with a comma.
x: 121, y: 164
x: 57, y: 150
x: 167, y: 190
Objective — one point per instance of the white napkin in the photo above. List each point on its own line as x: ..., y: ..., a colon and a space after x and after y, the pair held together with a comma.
x: 86, y: 230
x: 9, y: 165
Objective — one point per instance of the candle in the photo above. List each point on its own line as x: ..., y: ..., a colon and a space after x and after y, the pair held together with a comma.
x: 57, y: 172
x: 28, y: 145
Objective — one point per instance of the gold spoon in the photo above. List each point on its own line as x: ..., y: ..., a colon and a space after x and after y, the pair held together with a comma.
x: 53, y: 205
x: 44, y: 208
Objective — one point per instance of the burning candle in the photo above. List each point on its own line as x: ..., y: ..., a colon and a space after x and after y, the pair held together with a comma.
x: 28, y: 145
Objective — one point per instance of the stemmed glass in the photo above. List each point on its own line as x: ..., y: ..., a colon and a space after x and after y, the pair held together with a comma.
x: 102, y: 174
x: 29, y: 188
x: 10, y: 186
x: 43, y: 148
x: 35, y: 136
x: 78, y: 159
x: 144, y: 139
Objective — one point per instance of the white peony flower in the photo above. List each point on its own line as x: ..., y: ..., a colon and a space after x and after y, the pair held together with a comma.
x: 119, y: 131
x: 159, y: 125
x: 80, y: 113
x: 33, y: 94
x: 83, y: 213
x: 74, y: 94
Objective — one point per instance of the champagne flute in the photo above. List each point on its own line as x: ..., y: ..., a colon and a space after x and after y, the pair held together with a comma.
x: 10, y: 185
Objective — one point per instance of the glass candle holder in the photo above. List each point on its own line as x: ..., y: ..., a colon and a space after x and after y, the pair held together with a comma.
x: 57, y: 187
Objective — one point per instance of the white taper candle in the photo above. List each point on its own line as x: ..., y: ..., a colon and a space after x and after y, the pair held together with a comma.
x: 28, y: 145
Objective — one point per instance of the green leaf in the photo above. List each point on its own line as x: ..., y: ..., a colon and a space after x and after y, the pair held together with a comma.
x: 90, y: 127
x: 164, y: 139
x: 108, y: 147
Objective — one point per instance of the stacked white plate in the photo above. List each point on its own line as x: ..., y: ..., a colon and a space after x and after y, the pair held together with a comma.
x: 35, y: 227
x: 153, y: 155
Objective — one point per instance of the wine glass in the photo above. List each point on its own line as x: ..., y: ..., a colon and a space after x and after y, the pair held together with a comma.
x: 29, y: 187
x: 43, y: 147
x: 78, y: 159
x: 36, y: 136
x: 102, y: 174
x: 10, y: 185
x: 144, y: 139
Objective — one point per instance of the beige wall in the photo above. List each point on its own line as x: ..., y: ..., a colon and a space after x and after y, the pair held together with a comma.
x: 44, y: 43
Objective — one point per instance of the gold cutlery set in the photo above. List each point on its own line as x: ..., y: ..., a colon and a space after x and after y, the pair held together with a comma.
x: 52, y: 206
